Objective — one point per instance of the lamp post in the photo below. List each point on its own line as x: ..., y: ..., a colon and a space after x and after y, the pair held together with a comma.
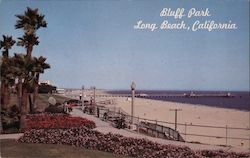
x: 93, y: 101
x: 82, y: 99
x: 132, y: 102
x: 94, y: 94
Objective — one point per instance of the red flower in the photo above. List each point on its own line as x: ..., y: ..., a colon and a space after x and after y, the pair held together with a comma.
x: 54, y: 121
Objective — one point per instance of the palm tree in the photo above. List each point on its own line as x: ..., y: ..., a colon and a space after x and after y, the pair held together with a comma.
x: 30, y: 22
x: 5, y: 44
x: 38, y: 68
x: 28, y: 41
x: 22, y: 69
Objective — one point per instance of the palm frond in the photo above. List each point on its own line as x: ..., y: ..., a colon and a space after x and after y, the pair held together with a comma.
x: 30, y: 21
x: 28, y: 39
x: 6, y: 44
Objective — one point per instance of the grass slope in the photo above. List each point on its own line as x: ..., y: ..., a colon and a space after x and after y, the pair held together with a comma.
x: 13, y: 149
x: 42, y: 100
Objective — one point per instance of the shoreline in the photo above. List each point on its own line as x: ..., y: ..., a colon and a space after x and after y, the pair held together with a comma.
x: 239, y: 100
x: 244, y: 110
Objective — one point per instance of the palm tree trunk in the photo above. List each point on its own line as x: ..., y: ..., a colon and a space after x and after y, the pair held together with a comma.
x: 19, y: 92
x: 29, y: 50
x: 4, y: 95
x: 24, y: 106
x: 35, y: 94
x: 4, y: 86
x: 5, y: 53
x: 7, y: 93
x: 24, y: 98
x: 31, y: 109
x: 1, y: 125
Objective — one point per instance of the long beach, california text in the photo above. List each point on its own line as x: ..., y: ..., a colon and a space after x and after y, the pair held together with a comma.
x: 174, y: 20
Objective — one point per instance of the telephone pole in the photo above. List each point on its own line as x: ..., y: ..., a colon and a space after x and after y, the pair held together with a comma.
x: 175, y: 120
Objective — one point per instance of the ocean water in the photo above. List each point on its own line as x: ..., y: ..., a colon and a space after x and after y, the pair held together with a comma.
x: 239, y: 101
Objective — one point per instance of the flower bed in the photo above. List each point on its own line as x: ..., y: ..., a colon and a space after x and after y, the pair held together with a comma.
x: 54, y: 121
x: 117, y: 144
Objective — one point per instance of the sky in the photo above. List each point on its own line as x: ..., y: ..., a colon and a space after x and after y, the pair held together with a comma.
x: 94, y: 43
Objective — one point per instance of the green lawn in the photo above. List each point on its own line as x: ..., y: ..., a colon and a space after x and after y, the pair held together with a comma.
x: 42, y: 103
x: 42, y: 99
x: 12, y: 149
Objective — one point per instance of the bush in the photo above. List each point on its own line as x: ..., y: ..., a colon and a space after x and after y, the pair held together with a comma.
x: 46, y: 88
x: 10, y: 117
x: 54, y: 109
x: 117, y: 144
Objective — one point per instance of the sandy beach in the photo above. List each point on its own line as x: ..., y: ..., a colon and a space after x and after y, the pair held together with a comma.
x: 193, y: 115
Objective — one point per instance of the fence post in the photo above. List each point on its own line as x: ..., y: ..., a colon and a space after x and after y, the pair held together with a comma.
x: 156, y: 128
x: 98, y: 112
x: 185, y: 131
x: 146, y: 125
x: 226, y: 135
x: 119, y: 111
x: 138, y: 124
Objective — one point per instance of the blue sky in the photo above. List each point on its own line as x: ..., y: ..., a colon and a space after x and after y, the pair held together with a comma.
x: 94, y: 43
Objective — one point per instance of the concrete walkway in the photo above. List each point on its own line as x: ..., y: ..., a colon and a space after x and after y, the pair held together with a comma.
x: 105, y: 127
x: 11, y: 136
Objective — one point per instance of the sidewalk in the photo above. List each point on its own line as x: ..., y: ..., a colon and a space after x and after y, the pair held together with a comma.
x: 11, y: 136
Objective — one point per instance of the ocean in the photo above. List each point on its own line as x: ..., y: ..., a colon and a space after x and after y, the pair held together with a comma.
x: 237, y: 100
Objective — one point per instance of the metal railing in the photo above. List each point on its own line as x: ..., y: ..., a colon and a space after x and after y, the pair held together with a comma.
x: 161, y: 131
x: 142, y: 125
x: 188, y: 132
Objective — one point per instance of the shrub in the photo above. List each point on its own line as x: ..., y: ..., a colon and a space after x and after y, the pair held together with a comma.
x: 54, y: 109
x: 10, y: 118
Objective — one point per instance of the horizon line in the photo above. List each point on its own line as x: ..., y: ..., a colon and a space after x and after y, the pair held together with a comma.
x: 122, y: 89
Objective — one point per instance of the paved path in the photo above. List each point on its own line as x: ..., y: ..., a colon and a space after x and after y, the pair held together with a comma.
x: 11, y: 136
x: 105, y: 127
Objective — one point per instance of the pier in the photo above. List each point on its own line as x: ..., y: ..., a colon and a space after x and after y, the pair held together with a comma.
x: 153, y: 96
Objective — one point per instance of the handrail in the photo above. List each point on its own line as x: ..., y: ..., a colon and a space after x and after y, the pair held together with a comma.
x: 206, y: 126
x: 201, y: 135
x: 152, y: 121
x: 171, y: 132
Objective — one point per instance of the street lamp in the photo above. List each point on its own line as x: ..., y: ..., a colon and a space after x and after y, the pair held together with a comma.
x: 94, y: 94
x: 132, y: 102
x: 82, y: 99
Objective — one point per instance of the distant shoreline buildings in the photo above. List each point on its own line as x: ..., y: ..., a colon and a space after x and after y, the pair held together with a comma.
x: 45, y: 82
